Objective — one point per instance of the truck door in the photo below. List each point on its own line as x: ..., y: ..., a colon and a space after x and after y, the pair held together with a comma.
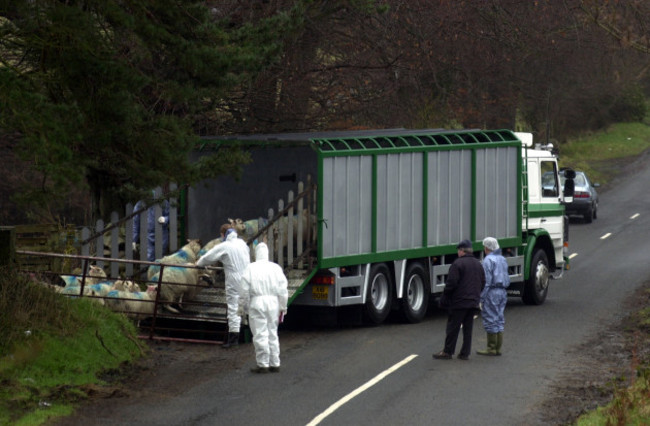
x: 552, y: 218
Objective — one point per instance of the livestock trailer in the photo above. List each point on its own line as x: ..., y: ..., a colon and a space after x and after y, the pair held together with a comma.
x: 387, y: 208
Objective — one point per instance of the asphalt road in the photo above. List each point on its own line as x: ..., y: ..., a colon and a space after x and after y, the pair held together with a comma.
x: 386, y: 375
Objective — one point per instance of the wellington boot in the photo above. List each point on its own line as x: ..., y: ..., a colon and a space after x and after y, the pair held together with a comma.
x: 233, y: 340
x: 491, y: 345
x: 499, y: 342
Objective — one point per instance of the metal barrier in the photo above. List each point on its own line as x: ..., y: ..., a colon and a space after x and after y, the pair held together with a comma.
x: 159, y: 313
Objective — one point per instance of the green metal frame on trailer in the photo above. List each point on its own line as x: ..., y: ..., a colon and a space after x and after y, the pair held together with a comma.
x: 420, y: 144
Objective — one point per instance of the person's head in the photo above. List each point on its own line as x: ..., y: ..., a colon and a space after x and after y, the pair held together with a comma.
x: 261, y: 252
x: 490, y: 244
x: 224, y: 228
x: 464, y: 247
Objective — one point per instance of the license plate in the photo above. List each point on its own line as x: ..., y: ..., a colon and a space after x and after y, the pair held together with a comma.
x: 320, y: 292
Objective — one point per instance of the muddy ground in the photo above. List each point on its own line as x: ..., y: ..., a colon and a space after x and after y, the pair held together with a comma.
x: 599, y: 366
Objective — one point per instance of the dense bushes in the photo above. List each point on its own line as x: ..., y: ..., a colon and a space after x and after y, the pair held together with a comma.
x: 630, y: 107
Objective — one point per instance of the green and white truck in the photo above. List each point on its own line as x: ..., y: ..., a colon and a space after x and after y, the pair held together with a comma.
x: 387, y: 208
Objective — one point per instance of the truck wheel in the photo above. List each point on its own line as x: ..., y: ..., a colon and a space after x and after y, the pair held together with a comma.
x: 379, y: 296
x: 416, y: 293
x: 536, y: 286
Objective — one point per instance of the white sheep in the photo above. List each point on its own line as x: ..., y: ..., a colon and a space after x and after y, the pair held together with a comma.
x: 187, y: 254
x: 75, y: 291
x: 204, y: 280
x: 69, y: 281
x: 135, y: 304
x: 208, y: 246
x: 176, y: 281
x: 102, y: 288
x: 181, y: 284
x: 94, y: 276
x: 126, y: 285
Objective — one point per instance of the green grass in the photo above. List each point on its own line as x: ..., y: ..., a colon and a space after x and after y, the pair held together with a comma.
x: 54, y: 349
x: 600, y: 154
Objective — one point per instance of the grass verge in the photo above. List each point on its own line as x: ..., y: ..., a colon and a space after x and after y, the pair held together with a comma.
x: 630, y: 405
x: 601, y: 154
x: 55, y: 350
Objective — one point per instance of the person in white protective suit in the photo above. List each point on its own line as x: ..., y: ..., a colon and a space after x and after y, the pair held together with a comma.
x: 494, y: 295
x: 234, y: 254
x: 264, y: 297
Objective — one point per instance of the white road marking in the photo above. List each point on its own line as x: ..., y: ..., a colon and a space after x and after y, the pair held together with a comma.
x: 634, y: 216
x: 607, y: 235
x: 572, y: 255
x: 332, y: 408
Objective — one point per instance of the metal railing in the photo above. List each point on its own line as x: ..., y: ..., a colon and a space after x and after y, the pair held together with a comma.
x: 204, y: 315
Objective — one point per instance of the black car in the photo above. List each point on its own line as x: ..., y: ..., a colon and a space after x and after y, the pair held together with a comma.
x: 585, y: 198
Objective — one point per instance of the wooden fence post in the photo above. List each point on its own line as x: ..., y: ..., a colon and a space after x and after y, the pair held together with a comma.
x: 99, y: 242
x: 115, y: 246
x: 85, y: 249
x: 300, y: 237
x: 128, y: 240
x: 290, y: 229
x: 280, y: 242
x: 173, y: 221
x: 269, y: 238
x: 7, y: 245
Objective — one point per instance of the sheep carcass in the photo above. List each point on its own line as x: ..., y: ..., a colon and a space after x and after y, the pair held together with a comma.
x: 135, y: 304
x: 126, y: 285
x: 95, y: 275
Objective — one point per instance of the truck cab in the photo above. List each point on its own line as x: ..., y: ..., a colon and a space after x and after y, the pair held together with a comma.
x: 545, y: 225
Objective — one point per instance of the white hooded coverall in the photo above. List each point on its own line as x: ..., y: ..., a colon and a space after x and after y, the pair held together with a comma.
x: 235, y: 257
x: 263, y: 296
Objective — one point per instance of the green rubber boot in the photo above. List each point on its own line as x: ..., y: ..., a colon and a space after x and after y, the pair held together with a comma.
x: 499, y: 342
x: 491, y: 345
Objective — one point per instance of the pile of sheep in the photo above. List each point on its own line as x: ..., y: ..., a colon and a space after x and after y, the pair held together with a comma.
x: 119, y: 295
x: 181, y: 281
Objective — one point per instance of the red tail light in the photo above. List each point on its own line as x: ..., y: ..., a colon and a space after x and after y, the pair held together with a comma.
x: 323, y: 279
x: 581, y: 194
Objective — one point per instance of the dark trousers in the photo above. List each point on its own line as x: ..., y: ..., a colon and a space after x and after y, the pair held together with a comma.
x: 458, y: 317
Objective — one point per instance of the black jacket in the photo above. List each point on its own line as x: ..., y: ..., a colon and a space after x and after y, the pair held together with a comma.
x: 465, y: 282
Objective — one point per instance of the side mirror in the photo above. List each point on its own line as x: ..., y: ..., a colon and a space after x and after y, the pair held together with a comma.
x: 569, y: 185
x: 569, y: 173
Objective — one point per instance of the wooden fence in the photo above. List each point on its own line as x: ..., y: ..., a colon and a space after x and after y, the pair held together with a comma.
x: 290, y: 231
x: 114, y: 240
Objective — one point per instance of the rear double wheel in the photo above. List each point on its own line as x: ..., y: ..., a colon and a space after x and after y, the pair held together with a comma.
x: 416, y: 293
x: 379, y: 294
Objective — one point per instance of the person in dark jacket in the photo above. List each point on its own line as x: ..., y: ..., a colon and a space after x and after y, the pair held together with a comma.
x: 461, y: 296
